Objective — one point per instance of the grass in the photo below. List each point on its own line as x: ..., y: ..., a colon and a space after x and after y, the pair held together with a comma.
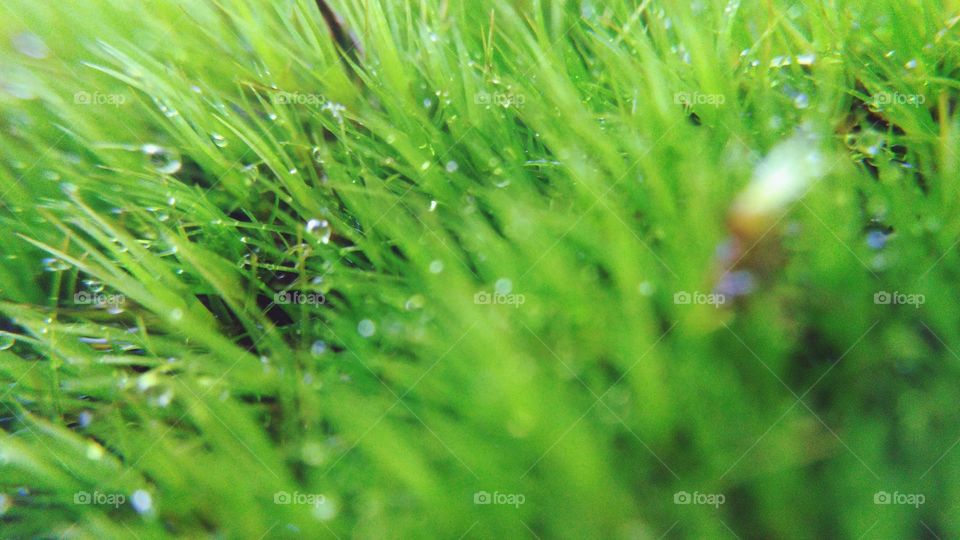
x: 246, y: 264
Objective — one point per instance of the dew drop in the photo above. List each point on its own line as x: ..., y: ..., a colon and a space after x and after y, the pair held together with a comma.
x: 436, y: 267
x: 414, y: 302
x: 163, y: 160
x: 321, y: 229
x: 452, y: 166
x: 94, y: 451
x: 30, y: 44
x: 646, y: 288
x: 54, y: 265
x: 218, y: 140
x: 806, y: 59
x: 325, y: 509
x: 6, y: 341
x: 780, y: 61
x: 366, y: 328
x: 503, y: 286
x: 141, y: 501
x: 252, y: 173
x: 318, y: 348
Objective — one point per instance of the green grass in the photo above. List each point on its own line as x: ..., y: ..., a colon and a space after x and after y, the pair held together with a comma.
x: 574, y: 163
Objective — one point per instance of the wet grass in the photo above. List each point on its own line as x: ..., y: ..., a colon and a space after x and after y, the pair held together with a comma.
x: 479, y: 269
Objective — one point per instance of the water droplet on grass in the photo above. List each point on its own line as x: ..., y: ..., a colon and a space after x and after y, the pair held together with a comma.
x: 141, y: 501
x: 912, y: 64
x: 503, y: 286
x: 251, y: 173
x: 801, y: 101
x: 366, y: 328
x: 219, y: 140
x: 54, y: 265
x: 876, y: 239
x: 320, y: 228
x: 452, y: 166
x: 94, y: 451
x: 163, y: 160
x: 30, y: 44
x: 414, y: 302
x: 318, y: 348
x: 436, y: 267
x: 6, y: 341
x: 779, y: 61
x: 325, y: 509
x: 806, y: 59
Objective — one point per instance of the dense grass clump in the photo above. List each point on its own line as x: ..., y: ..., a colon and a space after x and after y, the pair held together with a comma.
x: 479, y: 269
